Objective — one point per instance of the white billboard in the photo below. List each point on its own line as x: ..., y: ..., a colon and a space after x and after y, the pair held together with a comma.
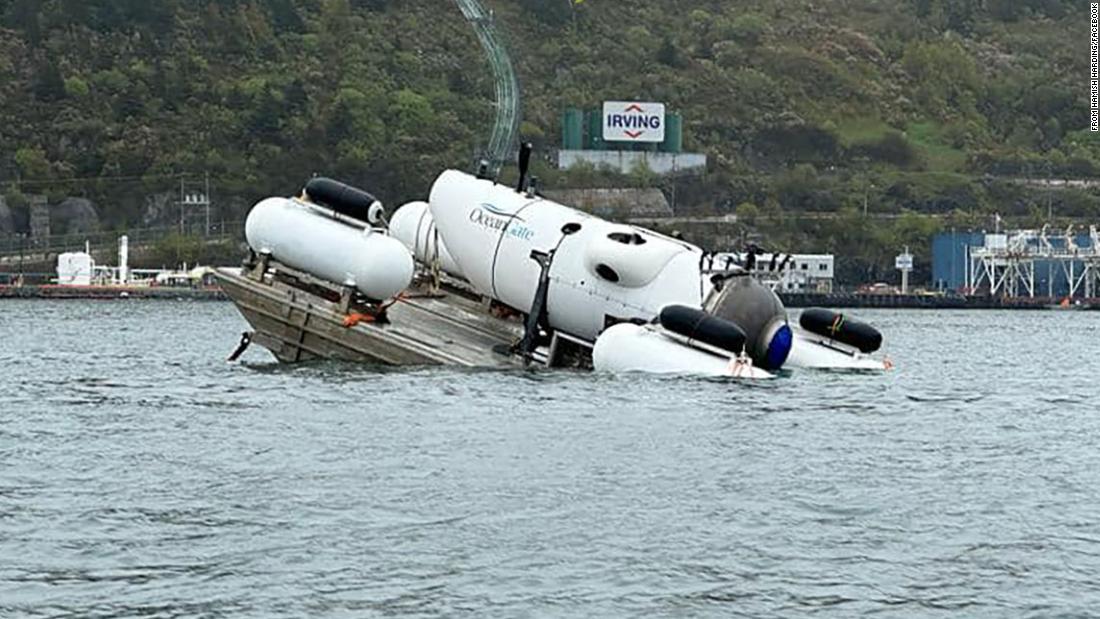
x: 904, y: 262
x: 633, y: 121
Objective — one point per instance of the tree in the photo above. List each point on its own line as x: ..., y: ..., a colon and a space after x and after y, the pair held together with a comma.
x: 336, y: 20
x: 945, y: 76
x: 749, y: 28
x: 284, y: 16
x: 411, y: 112
x: 641, y: 175
x: 178, y: 249
x: 747, y: 212
x: 669, y: 53
x: 32, y: 163
x: 76, y: 87
x: 25, y: 16
x: 550, y: 12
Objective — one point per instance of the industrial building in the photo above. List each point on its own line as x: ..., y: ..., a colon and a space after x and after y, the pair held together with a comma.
x: 1030, y: 263
x: 802, y: 273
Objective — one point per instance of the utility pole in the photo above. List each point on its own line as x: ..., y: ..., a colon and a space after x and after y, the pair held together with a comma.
x: 863, y: 168
x: 1050, y: 194
x: 206, y: 194
x: 22, y: 239
x: 181, y: 206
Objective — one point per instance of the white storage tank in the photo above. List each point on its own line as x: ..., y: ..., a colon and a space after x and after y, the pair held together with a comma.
x: 75, y: 269
x: 304, y: 237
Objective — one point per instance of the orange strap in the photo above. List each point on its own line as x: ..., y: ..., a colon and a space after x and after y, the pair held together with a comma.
x: 355, y: 318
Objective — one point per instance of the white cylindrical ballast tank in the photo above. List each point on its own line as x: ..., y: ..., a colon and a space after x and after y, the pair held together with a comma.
x: 413, y: 225
x: 301, y: 237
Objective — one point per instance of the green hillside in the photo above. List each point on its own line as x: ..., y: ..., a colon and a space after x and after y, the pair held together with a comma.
x: 926, y: 107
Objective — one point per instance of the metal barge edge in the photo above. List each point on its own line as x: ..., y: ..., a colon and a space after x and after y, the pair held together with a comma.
x: 298, y: 317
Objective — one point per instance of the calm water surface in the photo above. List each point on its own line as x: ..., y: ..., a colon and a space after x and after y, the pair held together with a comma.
x: 141, y: 475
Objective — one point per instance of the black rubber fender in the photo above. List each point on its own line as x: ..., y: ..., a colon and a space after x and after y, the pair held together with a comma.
x: 340, y: 197
x: 837, y: 326
x: 695, y: 324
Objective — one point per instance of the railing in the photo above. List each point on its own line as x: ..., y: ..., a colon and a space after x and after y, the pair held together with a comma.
x: 506, y: 126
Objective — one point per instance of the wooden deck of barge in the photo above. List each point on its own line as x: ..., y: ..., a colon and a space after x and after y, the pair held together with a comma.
x: 299, y: 318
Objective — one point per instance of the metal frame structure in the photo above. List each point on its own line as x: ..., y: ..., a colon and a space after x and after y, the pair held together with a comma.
x: 194, y: 206
x: 1005, y: 265
x: 506, y: 126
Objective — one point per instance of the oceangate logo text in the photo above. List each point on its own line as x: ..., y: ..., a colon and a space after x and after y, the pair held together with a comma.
x: 493, y: 218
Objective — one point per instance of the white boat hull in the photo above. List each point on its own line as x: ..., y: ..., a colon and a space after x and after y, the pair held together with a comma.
x: 632, y: 348
x: 811, y: 351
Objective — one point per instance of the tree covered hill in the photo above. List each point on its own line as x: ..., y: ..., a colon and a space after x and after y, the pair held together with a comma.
x: 925, y: 106
x: 258, y: 94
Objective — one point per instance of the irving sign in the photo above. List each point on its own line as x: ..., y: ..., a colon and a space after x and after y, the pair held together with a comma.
x: 628, y: 121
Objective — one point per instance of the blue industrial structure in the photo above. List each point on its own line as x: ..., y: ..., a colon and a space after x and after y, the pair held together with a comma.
x: 1049, y: 262
x: 949, y: 258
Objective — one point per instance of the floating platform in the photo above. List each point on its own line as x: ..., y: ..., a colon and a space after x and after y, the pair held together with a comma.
x: 298, y: 318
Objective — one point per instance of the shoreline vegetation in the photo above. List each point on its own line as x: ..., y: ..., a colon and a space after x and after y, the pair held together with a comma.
x: 854, y: 129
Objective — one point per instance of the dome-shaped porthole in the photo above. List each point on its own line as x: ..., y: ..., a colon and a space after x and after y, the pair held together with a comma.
x: 607, y: 273
x: 627, y: 238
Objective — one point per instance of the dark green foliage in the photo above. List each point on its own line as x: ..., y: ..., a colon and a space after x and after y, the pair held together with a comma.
x: 258, y: 94
x: 918, y: 106
x: 25, y: 17
x: 49, y: 86
x: 787, y: 144
x: 669, y: 54
x: 552, y: 12
x: 892, y: 148
x: 284, y: 16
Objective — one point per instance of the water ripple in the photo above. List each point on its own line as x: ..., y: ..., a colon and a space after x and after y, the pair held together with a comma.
x: 141, y: 475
